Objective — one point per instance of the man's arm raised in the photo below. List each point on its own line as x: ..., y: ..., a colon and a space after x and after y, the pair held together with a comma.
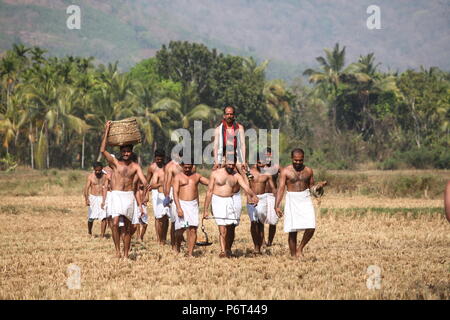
x: 280, y: 192
x: 111, y: 160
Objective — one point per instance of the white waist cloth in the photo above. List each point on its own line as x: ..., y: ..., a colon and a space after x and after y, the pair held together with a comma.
x: 95, y: 210
x: 122, y: 204
x: 172, y: 207
x: 258, y: 213
x: 299, y: 212
x: 154, y: 197
x: 159, y: 210
x: 237, y: 202
x: 137, y: 218
x: 108, y: 203
x: 224, y: 210
x: 272, y: 217
x: 190, y: 215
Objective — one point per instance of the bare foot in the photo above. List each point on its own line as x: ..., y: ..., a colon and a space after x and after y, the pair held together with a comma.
x: 222, y: 255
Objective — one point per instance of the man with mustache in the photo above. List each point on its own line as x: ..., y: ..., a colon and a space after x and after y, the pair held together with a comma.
x: 299, y: 209
x: 185, y: 193
x: 229, y: 137
x: 220, y: 197
x: 122, y: 200
x: 93, y: 195
x: 272, y: 169
x: 258, y: 214
x: 155, y: 176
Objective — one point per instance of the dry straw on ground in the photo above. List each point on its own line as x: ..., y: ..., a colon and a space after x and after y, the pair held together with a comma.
x: 43, y: 235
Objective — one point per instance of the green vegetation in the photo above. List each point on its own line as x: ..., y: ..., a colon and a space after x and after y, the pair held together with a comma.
x: 53, y: 110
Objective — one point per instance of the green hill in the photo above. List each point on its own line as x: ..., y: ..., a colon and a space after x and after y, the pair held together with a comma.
x: 289, y: 33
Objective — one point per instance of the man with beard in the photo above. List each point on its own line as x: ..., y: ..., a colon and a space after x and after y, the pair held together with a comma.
x: 258, y: 214
x: 155, y: 176
x: 170, y: 171
x: 93, y: 195
x: 299, y: 209
x: 273, y: 170
x: 220, y: 196
x: 185, y: 193
x: 229, y: 137
x: 122, y: 200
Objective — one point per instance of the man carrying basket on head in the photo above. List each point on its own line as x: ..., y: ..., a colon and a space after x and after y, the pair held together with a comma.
x: 122, y: 196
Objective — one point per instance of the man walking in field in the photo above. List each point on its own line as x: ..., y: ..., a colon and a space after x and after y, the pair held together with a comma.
x: 258, y: 214
x: 220, y: 196
x: 93, y: 195
x: 122, y: 200
x: 155, y: 176
x: 273, y: 170
x: 170, y: 171
x: 299, y: 210
x: 185, y: 193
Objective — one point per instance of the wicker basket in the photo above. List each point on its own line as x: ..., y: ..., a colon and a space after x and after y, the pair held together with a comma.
x: 124, y: 132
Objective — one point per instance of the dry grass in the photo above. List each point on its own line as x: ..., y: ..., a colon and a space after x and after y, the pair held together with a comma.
x: 43, y: 235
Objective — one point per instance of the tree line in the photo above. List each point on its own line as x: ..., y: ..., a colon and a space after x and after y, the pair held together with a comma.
x: 53, y: 110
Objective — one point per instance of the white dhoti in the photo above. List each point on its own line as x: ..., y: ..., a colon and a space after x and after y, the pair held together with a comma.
x: 272, y: 217
x: 95, y: 211
x: 190, y: 215
x: 237, y: 203
x: 137, y: 217
x: 154, y: 198
x: 122, y: 204
x: 172, y: 207
x: 299, y: 212
x: 159, y: 210
x: 108, y: 204
x: 224, y: 210
x: 258, y: 213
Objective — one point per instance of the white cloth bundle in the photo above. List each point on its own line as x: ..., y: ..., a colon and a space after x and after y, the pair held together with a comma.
x: 258, y: 213
x: 272, y: 217
x: 237, y: 203
x: 137, y: 219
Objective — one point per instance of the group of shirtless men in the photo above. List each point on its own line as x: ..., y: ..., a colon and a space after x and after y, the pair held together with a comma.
x: 118, y: 194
